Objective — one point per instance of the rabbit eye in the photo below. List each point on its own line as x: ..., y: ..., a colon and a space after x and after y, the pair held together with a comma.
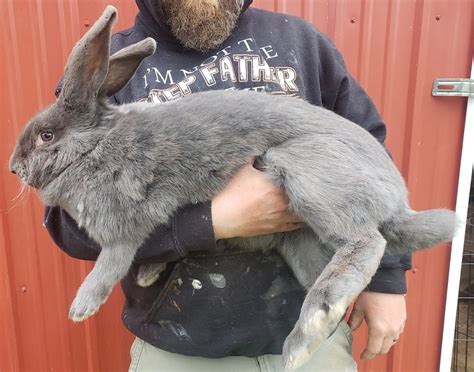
x: 47, y: 136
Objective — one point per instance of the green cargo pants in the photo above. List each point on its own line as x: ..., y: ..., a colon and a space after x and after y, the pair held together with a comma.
x: 335, y: 354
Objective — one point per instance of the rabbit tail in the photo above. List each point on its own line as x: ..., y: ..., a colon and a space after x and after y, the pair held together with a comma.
x: 416, y: 230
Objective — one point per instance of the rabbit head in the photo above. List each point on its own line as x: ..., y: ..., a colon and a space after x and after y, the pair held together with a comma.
x: 64, y: 132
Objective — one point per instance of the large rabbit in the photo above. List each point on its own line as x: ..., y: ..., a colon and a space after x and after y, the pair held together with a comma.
x: 121, y: 171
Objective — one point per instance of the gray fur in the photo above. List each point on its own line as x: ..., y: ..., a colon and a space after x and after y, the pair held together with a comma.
x: 122, y: 171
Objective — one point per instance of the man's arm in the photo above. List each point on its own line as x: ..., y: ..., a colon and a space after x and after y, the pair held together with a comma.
x: 250, y: 205
x: 189, y: 230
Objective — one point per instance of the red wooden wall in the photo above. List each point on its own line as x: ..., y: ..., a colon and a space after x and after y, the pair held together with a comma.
x: 395, y: 48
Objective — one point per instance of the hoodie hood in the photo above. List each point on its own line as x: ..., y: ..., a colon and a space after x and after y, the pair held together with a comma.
x: 153, y: 18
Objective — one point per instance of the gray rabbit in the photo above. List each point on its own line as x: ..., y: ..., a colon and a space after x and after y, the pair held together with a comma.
x: 120, y: 171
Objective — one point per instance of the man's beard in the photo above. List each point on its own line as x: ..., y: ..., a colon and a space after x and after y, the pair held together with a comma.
x: 202, y: 24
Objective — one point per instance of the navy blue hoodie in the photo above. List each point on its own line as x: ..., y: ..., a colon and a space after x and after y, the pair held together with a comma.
x: 208, y: 302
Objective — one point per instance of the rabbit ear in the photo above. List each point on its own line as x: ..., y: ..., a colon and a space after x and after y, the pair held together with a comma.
x: 88, y: 62
x: 123, y: 64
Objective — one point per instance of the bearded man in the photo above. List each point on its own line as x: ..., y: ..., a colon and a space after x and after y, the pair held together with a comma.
x: 212, y: 310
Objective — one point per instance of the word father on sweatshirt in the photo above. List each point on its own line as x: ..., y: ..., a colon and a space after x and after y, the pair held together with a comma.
x: 243, y: 62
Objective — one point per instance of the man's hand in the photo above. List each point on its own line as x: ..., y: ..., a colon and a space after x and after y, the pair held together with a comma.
x: 385, y: 315
x: 251, y: 205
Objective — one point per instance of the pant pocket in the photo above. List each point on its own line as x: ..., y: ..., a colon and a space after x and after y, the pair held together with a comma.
x: 347, y: 331
x: 135, y: 354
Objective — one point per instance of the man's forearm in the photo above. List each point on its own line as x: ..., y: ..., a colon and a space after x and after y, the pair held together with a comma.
x: 390, y: 277
x: 189, y: 230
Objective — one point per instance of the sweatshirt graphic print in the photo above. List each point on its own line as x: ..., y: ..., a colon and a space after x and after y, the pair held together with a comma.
x: 241, y: 62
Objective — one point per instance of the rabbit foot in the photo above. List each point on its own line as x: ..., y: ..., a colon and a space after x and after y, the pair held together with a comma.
x: 317, y: 322
x: 149, y: 273
x: 297, y: 348
x: 320, y: 320
x: 86, y: 304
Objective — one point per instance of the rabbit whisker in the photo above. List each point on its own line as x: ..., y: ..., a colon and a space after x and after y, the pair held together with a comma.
x: 19, y: 199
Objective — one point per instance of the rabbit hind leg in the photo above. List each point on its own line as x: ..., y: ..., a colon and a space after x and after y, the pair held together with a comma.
x: 346, y: 275
x: 321, y: 195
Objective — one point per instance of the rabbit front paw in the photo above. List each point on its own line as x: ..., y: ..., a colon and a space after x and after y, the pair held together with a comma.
x: 87, y: 303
